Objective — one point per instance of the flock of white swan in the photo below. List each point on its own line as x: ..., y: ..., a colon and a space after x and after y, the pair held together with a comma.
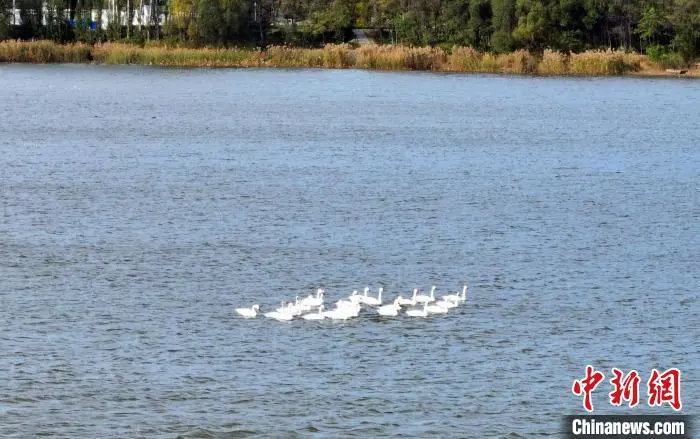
x: 313, y: 308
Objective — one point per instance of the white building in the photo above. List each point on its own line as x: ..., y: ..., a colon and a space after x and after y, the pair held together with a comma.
x: 141, y: 16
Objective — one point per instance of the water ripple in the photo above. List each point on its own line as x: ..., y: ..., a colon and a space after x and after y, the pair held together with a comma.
x: 127, y: 241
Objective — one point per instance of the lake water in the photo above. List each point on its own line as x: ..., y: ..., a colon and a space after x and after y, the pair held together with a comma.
x: 140, y: 206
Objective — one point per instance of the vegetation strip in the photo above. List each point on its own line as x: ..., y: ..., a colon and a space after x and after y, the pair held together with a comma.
x: 338, y: 56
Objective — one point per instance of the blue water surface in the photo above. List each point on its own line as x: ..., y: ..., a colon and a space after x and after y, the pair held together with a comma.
x: 140, y: 206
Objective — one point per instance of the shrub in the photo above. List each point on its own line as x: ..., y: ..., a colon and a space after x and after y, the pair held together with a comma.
x: 662, y: 56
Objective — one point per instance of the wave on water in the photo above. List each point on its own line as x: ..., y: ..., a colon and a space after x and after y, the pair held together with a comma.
x: 203, y: 433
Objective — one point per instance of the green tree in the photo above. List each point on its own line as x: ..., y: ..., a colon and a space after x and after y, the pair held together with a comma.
x: 408, y: 30
x: 5, y: 19
x: 340, y: 16
x: 293, y: 9
x: 503, y: 24
x: 479, y: 24
x: 56, y: 28
x: 233, y: 20
x: 569, y: 28
x: 649, y: 25
x: 335, y: 17
x: 531, y: 31
x: 209, y: 22
x: 30, y: 18
x: 686, y: 22
x: 182, y: 13
x: 456, y: 15
x: 595, y: 21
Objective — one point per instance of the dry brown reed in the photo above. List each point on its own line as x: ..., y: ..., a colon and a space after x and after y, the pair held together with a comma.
x: 467, y: 59
x: 284, y: 56
x: 43, y: 52
x: 553, y: 63
x: 339, y: 56
x: 464, y: 59
x: 602, y: 62
x: 392, y: 57
x: 114, y: 53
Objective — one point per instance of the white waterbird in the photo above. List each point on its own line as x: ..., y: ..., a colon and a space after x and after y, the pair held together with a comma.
x: 456, y: 297
x: 315, y: 315
x: 280, y: 316
x: 436, y: 308
x: 354, y: 298
x: 312, y: 301
x: 344, y: 309
x: 412, y: 301
x: 390, y: 310
x: 248, y: 312
x: 447, y: 303
x: 364, y: 296
x: 422, y: 298
x: 283, y: 313
x: 374, y: 301
x: 418, y: 312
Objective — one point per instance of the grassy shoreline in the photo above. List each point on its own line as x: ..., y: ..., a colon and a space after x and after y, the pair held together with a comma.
x: 387, y: 57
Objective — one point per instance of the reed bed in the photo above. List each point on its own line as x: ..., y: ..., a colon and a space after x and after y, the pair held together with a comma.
x: 338, y: 56
x: 41, y: 52
x: 114, y: 53
x: 520, y: 61
x: 553, y: 63
x: 392, y: 57
x: 283, y: 56
x: 603, y: 62
x: 467, y: 59
x: 424, y: 58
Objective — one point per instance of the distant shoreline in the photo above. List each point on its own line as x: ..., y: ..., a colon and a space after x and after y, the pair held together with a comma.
x: 368, y: 57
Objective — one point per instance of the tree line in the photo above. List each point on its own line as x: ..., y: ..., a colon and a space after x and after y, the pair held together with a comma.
x: 658, y: 27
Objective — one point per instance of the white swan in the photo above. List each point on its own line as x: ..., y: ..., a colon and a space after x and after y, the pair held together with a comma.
x: 315, y: 316
x: 354, y: 297
x: 289, y: 307
x: 283, y: 306
x: 422, y: 298
x: 436, y: 308
x: 447, y: 303
x: 342, y: 303
x: 338, y: 314
x: 285, y: 312
x: 364, y: 296
x: 412, y: 301
x: 456, y: 297
x: 418, y: 312
x: 248, y: 312
x: 306, y: 300
x: 390, y: 310
x: 299, y: 307
x: 344, y: 310
x: 312, y: 301
x: 280, y: 316
x: 374, y: 301
x: 352, y: 309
